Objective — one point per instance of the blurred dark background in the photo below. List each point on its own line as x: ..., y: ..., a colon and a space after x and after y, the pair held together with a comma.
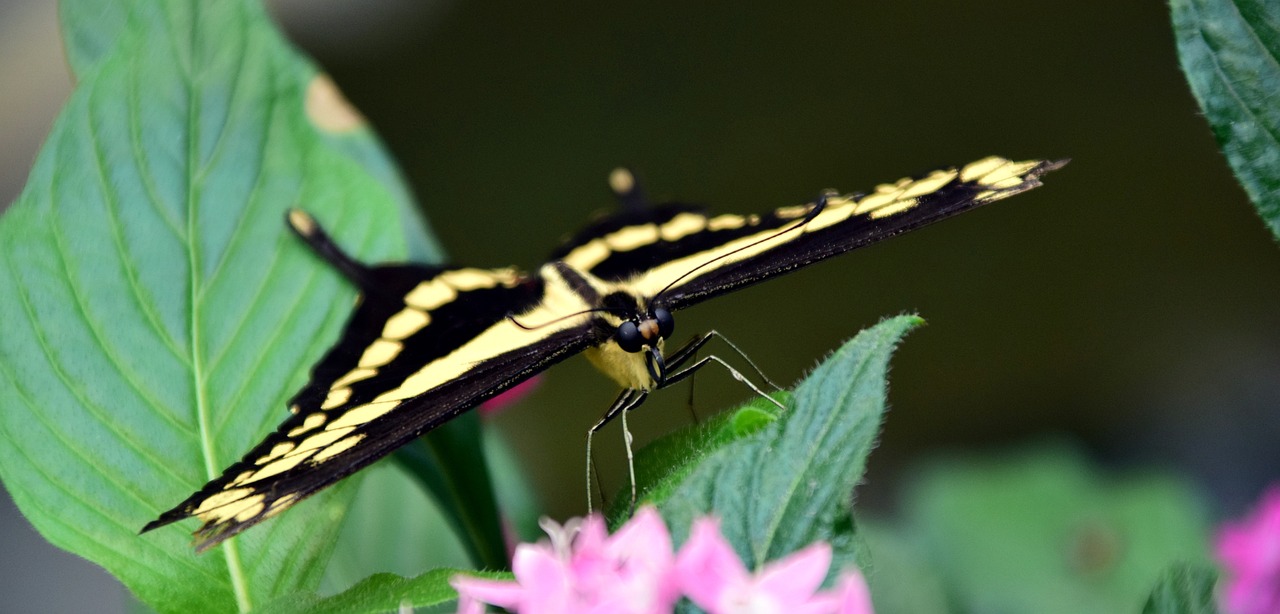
x: 1128, y: 306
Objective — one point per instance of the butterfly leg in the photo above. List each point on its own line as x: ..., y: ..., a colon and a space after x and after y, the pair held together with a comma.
x: 627, y: 401
x: 692, y: 369
x: 689, y: 351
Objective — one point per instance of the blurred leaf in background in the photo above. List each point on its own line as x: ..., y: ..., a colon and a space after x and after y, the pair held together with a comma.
x: 1042, y: 531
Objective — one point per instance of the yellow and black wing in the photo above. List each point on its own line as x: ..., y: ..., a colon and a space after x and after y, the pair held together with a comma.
x: 424, y: 345
x: 679, y: 255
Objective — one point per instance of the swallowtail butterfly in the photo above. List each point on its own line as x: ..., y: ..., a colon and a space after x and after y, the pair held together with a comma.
x: 427, y: 343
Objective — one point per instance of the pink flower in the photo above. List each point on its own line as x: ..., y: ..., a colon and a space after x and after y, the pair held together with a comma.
x: 510, y: 397
x: 713, y: 578
x: 584, y: 570
x: 1250, y: 553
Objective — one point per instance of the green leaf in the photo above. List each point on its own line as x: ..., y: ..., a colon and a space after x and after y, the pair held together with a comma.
x: 1040, y: 531
x: 899, y: 576
x: 157, y: 315
x: 393, y: 526
x: 378, y: 593
x: 1230, y: 52
x: 800, y: 471
x: 1184, y: 589
x: 91, y: 28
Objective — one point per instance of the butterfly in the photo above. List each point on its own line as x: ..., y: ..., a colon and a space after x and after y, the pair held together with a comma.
x: 426, y: 343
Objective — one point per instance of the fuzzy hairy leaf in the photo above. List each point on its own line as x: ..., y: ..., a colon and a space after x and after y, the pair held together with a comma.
x: 800, y: 470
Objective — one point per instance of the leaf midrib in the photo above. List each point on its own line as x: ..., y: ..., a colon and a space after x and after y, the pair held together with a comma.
x: 230, y: 549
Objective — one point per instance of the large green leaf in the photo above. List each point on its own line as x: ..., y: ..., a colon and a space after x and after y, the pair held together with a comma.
x: 800, y: 470
x: 157, y: 315
x: 1230, y: 52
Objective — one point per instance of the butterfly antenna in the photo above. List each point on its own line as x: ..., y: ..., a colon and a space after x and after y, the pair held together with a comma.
x: 309, y: 230
x: 818, y: 207
x: 575, y: 314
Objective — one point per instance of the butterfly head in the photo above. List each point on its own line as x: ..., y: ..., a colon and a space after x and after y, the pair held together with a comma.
x: 646, y: 333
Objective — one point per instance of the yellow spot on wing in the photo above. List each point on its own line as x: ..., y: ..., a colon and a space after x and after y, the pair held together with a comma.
x: 320, y: 440
x: 1010, y: 174
x: 632, y: 237
x: 682, y: 226
x: 379, y: 353
x: 930, y: 184
x: 875, y: 201
x: 233, y: 508
x: 353, y: 376
x: 405, y: 323
x: 362, y: 414
x: 277, y: 467
x: 429, y: 295
x: 222, y: 498
x: 336, y: 397
x: 338, y: 448
x: 893, y: 209
x: 973, y: 170
x: 727, y: 222
x: 250, y: 510
x: 277, y: 451
x: 281, y: 504
x: 310, y: 423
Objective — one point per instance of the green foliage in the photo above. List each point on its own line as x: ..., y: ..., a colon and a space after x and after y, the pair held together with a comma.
x: 1040, y: 532
x: 378, y: 593
x: 1183, y: 589
x: 899, y: 576
x: 392, y: 526
x: 801, y: 469
x: 1228, y: 50
x: 157, y: 313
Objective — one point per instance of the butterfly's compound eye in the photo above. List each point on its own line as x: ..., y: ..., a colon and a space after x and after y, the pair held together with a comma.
x: 629, y: 338
x: 666, y: 323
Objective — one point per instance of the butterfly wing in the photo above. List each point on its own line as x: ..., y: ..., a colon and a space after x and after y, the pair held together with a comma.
x: 424, y: 345
x: 682, y: 256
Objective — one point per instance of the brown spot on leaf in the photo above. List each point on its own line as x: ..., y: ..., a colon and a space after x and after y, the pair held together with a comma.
x: 327, y: 109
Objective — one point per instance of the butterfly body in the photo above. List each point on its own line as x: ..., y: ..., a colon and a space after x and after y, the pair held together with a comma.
x: 428, y: 343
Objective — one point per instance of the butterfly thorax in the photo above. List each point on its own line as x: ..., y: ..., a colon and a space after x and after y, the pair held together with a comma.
x: 629, y: 330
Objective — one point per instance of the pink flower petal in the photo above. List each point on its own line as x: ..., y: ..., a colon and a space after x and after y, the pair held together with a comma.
x: 795, y: 578
x: 510, y: 397
x: 644, y: 565
x: 472, y: 591
x: 543, y: 576
x: 1250, y: 553
x: 707, y: 565
x: 855, y: 597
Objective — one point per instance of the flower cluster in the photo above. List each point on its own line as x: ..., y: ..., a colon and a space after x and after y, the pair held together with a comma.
x: 583, y: 569
x: 1250, y: 554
